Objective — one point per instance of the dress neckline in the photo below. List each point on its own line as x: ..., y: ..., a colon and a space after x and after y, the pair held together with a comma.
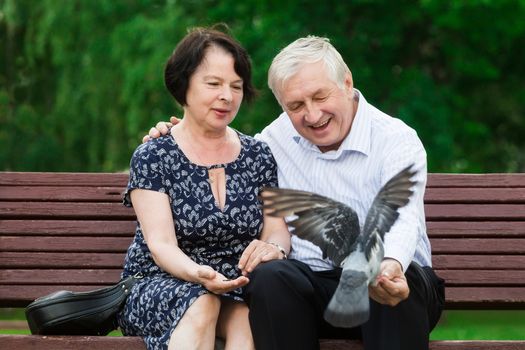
x: 213, y: 166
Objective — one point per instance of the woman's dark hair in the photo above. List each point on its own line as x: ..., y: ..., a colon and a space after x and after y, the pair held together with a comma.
x: 189, y: 54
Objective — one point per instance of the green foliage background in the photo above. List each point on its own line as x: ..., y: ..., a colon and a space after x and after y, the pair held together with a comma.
x: 81, y: 80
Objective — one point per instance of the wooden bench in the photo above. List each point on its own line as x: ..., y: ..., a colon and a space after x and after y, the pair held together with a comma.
x: 70, y: 231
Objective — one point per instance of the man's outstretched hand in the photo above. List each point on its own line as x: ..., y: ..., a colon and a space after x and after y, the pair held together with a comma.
x: 392, y: 286
x: 161, y: 128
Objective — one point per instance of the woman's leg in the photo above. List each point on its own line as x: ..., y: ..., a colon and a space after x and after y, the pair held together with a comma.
x: 196, y: 329
x: 233, y: 325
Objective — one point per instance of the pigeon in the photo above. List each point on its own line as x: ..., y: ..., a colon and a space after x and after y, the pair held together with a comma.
x: 334, y: 228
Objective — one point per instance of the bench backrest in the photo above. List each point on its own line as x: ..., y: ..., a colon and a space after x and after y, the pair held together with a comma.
x: 70, y: 231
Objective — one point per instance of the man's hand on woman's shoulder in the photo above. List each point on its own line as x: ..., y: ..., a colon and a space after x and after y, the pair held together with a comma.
x: 161, y: 128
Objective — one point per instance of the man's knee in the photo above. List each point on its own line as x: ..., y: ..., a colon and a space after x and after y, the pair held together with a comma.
x: 278, y: 277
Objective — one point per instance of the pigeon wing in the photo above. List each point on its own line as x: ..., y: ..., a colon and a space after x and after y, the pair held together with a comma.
x: 384, y: 210
x: 331, y: 225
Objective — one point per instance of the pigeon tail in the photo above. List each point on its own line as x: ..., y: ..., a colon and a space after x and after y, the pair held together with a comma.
x: 349, y: 307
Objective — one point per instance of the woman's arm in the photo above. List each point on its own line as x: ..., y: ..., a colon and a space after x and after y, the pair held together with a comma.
x: 155, y: 217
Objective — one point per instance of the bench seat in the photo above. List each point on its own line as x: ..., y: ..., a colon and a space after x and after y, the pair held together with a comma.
x: 70, y: 231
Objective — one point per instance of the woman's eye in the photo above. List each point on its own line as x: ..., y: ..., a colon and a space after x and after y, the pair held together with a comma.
x: 237, y: 87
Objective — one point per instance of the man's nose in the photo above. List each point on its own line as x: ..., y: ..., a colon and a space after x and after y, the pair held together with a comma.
x: 312, y: 113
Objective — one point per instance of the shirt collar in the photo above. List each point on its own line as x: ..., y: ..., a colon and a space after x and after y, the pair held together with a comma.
x: 358, y: 140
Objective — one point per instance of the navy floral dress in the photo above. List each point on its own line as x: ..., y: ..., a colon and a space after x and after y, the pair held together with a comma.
x: 207, y: 234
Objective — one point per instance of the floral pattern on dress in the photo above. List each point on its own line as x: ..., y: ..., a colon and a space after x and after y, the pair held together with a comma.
x: 207, y: 234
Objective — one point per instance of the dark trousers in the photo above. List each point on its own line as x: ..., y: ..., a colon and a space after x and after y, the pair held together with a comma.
x: 287, y: 300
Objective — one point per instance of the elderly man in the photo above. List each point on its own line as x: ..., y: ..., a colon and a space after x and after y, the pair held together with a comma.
x: 331, y: 141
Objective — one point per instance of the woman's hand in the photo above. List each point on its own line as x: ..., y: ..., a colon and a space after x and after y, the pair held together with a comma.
x: 216, y: 282
x: 255, y: 253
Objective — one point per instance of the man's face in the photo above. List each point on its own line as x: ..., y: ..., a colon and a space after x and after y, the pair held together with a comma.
x: 320, y: 110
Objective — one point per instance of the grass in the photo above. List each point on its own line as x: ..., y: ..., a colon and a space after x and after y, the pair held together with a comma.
x: 475, y: 325
x: 480, y: 325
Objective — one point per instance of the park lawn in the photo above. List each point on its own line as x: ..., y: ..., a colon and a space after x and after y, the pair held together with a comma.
x: 454, y: 325
x: 481, y: 325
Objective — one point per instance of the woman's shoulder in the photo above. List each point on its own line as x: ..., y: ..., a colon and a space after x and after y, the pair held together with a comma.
x: 253, y: 145
x: 154, y: 146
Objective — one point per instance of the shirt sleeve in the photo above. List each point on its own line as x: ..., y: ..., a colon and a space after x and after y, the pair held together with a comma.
x: 402, y: 239
x: 146, y: 170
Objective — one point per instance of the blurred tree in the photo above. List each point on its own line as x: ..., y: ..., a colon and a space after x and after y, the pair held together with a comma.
x: 81, y: 80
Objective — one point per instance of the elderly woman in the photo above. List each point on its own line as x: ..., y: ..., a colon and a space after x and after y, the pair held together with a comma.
x: 195, y: 191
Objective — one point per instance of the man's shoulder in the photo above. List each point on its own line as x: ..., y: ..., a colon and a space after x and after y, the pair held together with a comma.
x: 279, y: 129
x: 385, y: 124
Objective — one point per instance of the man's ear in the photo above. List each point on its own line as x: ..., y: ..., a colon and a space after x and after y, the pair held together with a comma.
x: 349, y: 82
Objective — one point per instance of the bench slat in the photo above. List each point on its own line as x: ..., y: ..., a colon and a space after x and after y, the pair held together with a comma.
x: 474, y: 195
x: 60, y: 193
x: 65, y: 244
x: 60, y: 276
x: 68, y: 227
x: 10, y: 260
x: 478, y: 245
x: 476, y: 180
x: 54, y: 210
x: 68, y: 343
x: 476, y: 262
x: 12, y: 341
x: 127, y: 227
x: 64, y: 179
x: 483, y: 277
x: 492, y: 298
x: 114, y: 194
x: 107, y: 276
x: 116, y: 210
x: 476, y: 228
x: 469, y: 298
x: 120, y: 244
x: 60, y: 259
x: 474, y: 212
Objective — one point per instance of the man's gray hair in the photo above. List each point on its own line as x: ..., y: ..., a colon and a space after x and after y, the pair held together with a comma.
x: 310, y: 49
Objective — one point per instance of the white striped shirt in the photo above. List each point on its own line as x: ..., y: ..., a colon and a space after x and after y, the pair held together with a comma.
x: 377, y: 147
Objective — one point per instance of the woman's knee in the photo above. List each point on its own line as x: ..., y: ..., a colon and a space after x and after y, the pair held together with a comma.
x: 233, y: 325
x: 202, y: 312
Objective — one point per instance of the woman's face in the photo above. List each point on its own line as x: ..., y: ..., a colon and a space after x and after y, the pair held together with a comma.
x: 215, y: 91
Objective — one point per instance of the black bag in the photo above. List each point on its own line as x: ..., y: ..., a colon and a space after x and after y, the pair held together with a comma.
x: 79, y: 313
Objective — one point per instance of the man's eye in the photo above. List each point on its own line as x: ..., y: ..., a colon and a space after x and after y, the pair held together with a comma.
x: 321, y: 98
x: 295, y: 107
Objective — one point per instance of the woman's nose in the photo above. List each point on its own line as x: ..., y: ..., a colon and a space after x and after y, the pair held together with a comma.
x: 226, y: 94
